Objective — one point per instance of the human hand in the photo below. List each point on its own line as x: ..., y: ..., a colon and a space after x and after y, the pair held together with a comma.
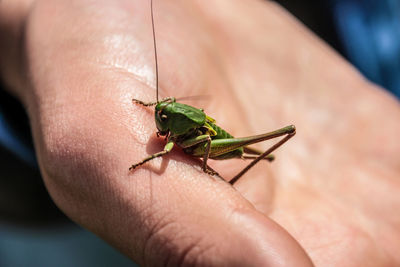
x: 333, y: 187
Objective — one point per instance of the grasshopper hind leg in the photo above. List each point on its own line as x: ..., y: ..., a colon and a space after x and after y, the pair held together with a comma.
x: 252, y: 153
x: 289, y: 131
x: 269, y: 157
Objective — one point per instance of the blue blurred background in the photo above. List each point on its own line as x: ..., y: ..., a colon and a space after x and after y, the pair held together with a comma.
x: 33, y: 232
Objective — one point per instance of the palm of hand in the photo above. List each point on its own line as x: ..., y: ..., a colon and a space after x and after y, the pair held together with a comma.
x: 333, y: 187
x: 336, y: 183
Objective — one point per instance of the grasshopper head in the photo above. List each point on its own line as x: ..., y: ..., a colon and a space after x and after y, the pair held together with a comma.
x: 162, y: 117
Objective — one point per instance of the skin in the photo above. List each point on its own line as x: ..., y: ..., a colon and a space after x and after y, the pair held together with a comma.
x: 331, y: 196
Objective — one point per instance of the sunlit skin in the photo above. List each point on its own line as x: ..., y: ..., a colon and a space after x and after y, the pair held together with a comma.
x: 332, y: 195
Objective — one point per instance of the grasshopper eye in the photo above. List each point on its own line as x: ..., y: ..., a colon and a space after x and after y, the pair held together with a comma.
x: 163, y: 117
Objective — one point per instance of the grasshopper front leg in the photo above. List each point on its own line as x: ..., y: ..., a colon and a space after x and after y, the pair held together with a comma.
x: 168, y: 147
x: 148, y: 104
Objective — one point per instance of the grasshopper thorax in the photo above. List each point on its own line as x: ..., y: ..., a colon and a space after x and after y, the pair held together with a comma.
x: 177, y: 118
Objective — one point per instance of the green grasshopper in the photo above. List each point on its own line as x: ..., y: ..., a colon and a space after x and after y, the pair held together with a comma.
x: 199, y: 136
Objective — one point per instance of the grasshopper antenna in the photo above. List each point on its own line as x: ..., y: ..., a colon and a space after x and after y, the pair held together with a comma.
x: 155, y: 46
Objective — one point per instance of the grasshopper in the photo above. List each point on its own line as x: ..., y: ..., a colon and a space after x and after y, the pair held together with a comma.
x: 199, y: 135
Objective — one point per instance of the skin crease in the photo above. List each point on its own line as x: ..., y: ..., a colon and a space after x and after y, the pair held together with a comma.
x: 330, y: 197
